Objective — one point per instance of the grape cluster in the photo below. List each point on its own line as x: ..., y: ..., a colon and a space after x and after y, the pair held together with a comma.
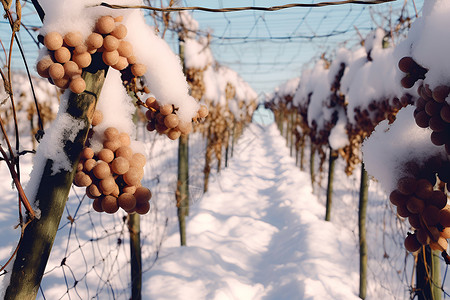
x: 434, y: 112
x: 431, y: 108
x: 164, y: 120
x: 69, y: 54
x: 112, y: 176
x: 413, y: 71
x: 425, y: 206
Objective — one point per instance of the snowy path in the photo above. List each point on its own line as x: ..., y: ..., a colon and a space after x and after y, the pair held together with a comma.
x: 257, y: 234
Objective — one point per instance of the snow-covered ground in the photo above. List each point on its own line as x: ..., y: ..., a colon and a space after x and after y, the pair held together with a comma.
x: 258, y: 233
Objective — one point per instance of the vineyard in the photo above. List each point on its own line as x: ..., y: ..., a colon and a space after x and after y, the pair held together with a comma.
x: 135, y: 164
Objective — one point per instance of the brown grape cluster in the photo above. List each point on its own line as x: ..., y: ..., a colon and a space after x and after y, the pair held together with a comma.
x: 69, y: 54
x: 425, y: 206
x: 434, y: 112
x: 112, y: 176
x: 164, y: 120
x: 413, y: 71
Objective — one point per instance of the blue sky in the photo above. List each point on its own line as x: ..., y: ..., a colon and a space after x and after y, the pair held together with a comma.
x: 257, y: 45
x: 265, y: 48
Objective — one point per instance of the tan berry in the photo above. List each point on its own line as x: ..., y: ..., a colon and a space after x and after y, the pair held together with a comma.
x: 132, y: 176
x: 138, y: 70
x: 124, y: 139
x: 87, y: 153
x: 97, y: 118
x: 110, y: 58
x: 94, y: 41
x: 118, y: 19
x: 185, y: 127
x: 171, y: 121
x: 94, y: 190
x: 120, y: 165
x: 106, y: 155
x: 80, y: 49
x: 110, y: 43
x: 142, y: 194
x: 173, y: 134
x: 105, y: 25
x: 62, y: 83
x: 125, y: 152
x: 166, y: 109
x: 83, y: 60
x: 121, y: 64
x: 138, y: 160
x: 73, y: 39
x: 77, y: 85
x: 97, y: 205
x: 101, y: 170
x: 43, y: 65
x: 82, y: 179
x: 129, y: 189
x: 125, y: 49
x: 109, y: 204
x: 56, y: 71
x: 71, y: 69
x: 127, y: 201
x: 132, y: 59
x: 53, y: 40
x: 150, y: 101
x: 111, y: 133
x: 89, y: 164
x: 107, y: 185
x: 142, y: 208
x: 120, y: 31
x: 113, y: 145
x: 203, y: 111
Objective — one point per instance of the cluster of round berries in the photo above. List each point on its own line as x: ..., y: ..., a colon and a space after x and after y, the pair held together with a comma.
x: 164, y: 119
x: 413, y: 71
x: 112, y: 176
x: 425, y: 207
x: 434, y: 112
x: 69, y: 54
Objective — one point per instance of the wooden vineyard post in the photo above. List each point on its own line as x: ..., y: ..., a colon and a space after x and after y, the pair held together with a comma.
x: 331, y: 163
x: 233, y: 138
x: 428, y: 274
x: 311, y: 164
x: 183, y: 186
x: 134, y: 228
x: 302, y: 154
x: 227, y: 144
x: 363, y: 199
x: 53, y: 190
x: 292, y: 139
x: 182, y: 193
x: 436, y: 275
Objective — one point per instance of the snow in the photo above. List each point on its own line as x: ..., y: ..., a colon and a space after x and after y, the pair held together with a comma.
x: 432, y: 45
x: 164, y: 75
x: 197, y: 54
x: 391, y: 146
x: 264, y: 238
x: 116, y: 107
x: 338, y: 135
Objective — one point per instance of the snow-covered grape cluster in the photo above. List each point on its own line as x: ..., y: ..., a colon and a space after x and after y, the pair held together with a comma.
x: 431, y: 108
x: 425, y: 206
x: 164, y: 120
x: 69, y: 54
x: 113, y: 175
